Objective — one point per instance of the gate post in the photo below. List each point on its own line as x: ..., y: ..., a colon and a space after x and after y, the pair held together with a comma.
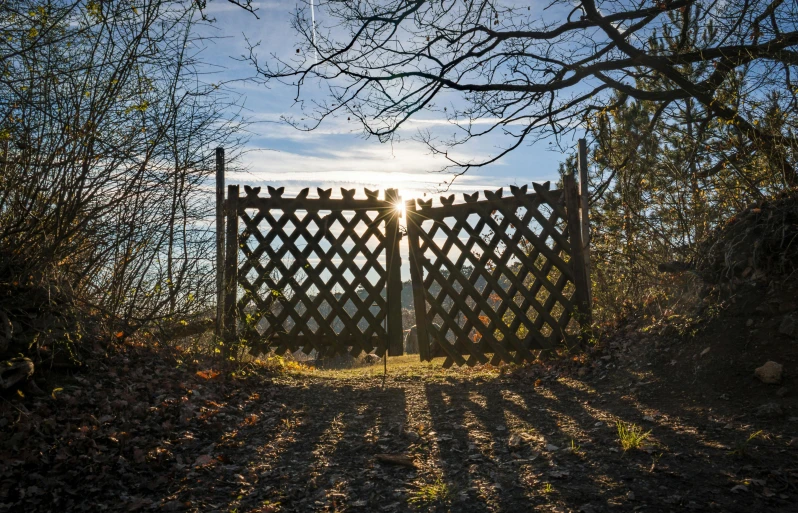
x: 584, y: 196
x: 231, y: 270
x: 417, y: 281
x: 577, y: 259
x: 394, y: 263
x: 220, y: 262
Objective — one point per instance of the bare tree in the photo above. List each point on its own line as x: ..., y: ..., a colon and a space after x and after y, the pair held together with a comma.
x: 529, y: 74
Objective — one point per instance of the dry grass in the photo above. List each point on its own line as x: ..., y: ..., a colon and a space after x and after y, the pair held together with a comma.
x: 406, y: 366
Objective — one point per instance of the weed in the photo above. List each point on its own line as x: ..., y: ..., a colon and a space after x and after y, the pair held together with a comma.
x: 428, y: 494
x: 281, y: 365
x: 741, y: 449
x: 547, y: 489
x: 575, y: 449
x: 631, y: 436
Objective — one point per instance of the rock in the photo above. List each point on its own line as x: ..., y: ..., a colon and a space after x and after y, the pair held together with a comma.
x: 515, y: 441
x: 788, y: 306
x: 630, y: 495
x: 412, y: 436
x: 705, y: 351
x: 203, y: 459
x: 581, y: 372
x: 770, y: 372
x: 769, y: 410
x: 6, y: 332
x: 783, y: 391
x: 749, y: 323
x: 371, y: 359
x: 587, y: 508
x: 14, y: 371
x: 788, y: 326
x: 552, y: 448
x: 174, y: 505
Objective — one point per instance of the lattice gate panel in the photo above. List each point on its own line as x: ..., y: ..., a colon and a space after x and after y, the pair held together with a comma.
x: 315, y: 272
x: 492, y: 276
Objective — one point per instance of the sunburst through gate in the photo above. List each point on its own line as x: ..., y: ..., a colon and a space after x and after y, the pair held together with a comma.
x: 493, y: 280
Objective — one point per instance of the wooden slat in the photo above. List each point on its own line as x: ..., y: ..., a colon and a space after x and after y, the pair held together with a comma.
x: 231, y: 270
x: 577, y: 257
x: 394, y: 263
x: 417, y: 281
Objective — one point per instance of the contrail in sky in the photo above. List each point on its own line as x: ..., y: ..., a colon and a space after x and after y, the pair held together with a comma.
x: 313, y: 23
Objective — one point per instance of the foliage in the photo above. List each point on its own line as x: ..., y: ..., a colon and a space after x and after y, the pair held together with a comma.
x: 741, y: 449
x: 631, y: 436
x: 106, y: 137
x: 528, y: 74
x: 431, y: 493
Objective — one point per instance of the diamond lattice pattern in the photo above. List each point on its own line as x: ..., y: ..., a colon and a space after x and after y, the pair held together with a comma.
x: 314, y: 280
x: 496, y: 277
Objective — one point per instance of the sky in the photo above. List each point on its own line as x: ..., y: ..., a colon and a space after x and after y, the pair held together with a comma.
x: 336, y: 154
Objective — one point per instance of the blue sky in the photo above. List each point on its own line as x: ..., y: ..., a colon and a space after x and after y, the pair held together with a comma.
x: 336, y: 154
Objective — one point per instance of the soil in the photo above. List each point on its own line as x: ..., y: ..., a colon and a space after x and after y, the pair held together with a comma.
x: 148, y: 429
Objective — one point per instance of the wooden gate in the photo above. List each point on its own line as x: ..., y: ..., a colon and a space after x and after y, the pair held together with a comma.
x: 316, y: 274
x: 501, y: 276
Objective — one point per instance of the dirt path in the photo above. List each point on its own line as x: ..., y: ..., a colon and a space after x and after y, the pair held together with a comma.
x: 428, y: 440
x: 488, y: 443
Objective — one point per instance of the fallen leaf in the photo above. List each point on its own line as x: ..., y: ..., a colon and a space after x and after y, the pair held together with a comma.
x: 208, y: 374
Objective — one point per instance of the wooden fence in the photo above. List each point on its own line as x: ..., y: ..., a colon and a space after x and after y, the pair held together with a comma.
x: 493, y: 279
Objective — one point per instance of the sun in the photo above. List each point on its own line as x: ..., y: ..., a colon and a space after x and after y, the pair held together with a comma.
x: 400, y: 208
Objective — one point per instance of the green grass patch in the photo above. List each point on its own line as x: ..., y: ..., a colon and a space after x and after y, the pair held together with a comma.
x: 431, y: 493
x: 631, y: 436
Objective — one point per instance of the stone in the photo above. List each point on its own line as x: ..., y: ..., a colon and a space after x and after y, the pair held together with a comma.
x: 788, y: 306
x: 515, y: 441
x: 581, y: 372
x: 783, y: 391
x: 788, y: 326
x: 749, y: 323
x: 371, y: 359
x: 769, y: 410
x: 552, y: 448
x: 770, y: 372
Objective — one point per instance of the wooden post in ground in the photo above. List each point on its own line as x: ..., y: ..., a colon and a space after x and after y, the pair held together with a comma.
x: 231, y: 270
x: 585, y: 218
x: 220, y: 262
x: 394, y: 263
x: 577, y: 260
